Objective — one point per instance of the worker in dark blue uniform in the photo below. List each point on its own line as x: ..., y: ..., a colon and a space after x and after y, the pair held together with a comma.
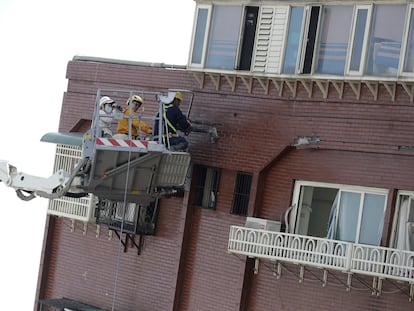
x: 174, y: 120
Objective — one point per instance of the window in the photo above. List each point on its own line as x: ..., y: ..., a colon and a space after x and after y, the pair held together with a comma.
x: 385, y: 41
x: 301, y: 39
x: 242, y: 194
x: 249, y: 33
x: 345, y: 213
x: 128, y: 217
x: 409, y: 51
x: 199, y: 39
x: 294, y: 38
x: 333, y: 39
x: 206, y: 186
x: 402, y: 236
x: 359, y: 38
x: 224, y: 37
x: 311, y: 39
x: 356, y: 40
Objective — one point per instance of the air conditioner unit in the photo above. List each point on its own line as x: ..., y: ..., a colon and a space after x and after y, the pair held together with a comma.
x: 73, y: 208
x: 263, y: 224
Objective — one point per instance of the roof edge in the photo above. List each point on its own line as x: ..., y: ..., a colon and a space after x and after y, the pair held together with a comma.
x: 126, y: 62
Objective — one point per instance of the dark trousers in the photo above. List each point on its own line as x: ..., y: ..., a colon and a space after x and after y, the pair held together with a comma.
x: 178, y: 143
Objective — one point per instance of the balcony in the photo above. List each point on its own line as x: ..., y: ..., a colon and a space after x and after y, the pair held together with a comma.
x: 379, y: 262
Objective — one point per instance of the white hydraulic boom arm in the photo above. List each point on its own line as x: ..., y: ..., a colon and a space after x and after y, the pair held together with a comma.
x: 52, y: 187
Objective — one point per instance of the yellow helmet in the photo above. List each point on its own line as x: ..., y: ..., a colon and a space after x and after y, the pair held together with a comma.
x: 179, y: 96
x: 135, y: 98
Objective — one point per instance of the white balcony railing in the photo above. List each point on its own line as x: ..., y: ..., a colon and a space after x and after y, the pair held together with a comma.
x: 382, y: 262
x: 347, y: 257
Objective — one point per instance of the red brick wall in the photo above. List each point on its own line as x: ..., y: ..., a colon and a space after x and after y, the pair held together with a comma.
x: 96, y: 270
x: 359, y: 146
x: 212, y: 277
x: 288, y: 294
x: 354, y: 168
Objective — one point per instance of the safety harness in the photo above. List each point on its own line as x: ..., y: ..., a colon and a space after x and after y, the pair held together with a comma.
x: 164, y: 115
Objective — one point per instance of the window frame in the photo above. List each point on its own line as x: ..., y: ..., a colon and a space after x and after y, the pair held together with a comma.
x: 396, y: 215
x: 133, y: 220
x: 305, y: 34
x: 374, y: 72
x: 322, y: 27
x: 302, y: 53
x: 211, y: 61
x: 297, y: 195
x: 307, y: 61
x: 286, y: 41
x: 241, y: 197
x: 240, y: 53
x: 367, y: 34
x: 206, y: 36
x: 203, y: 186
x: 408, y: 19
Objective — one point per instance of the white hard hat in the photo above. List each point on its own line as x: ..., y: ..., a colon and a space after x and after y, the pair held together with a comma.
x: 167, y: 99
x: 105, y: 100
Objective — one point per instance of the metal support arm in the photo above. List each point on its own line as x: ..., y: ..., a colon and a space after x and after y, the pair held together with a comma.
x: 52, y: 187
x: 21, y: 181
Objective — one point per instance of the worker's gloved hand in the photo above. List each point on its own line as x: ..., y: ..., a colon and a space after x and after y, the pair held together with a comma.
x: 118, y: 108
x: 188, y: 130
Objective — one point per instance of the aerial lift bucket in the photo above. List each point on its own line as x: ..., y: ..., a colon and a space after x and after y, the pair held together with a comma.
x: 135, y: 170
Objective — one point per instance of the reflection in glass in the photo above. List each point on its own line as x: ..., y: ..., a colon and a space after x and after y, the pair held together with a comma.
x: 385, y: 41
x: 199, y: 36
x: 372, y: 219
x: 292, y: 47
x: 224, y: 34
x: 334, y: 36
x: 348, y: 216
x: 409, y: 54
x: 358, y: 42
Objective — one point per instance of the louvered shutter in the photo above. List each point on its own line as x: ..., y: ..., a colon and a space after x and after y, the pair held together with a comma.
x: 270, y: 39
x: 263, y: 39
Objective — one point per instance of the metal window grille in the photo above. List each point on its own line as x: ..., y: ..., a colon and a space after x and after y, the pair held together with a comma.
x: 242, y: 194
x: 128, y: 217
x: 206, y: 186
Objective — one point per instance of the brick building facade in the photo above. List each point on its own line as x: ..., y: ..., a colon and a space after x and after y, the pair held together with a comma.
x: 185, y: 265
x: 358, y: 145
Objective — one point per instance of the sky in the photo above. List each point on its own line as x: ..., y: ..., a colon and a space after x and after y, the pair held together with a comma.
x: 38, y: 39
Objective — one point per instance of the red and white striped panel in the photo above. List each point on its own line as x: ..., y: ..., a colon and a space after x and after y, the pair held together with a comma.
x: 111, y: 142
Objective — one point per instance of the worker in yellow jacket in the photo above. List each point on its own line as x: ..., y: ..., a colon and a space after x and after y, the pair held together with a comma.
x: 137, y: 125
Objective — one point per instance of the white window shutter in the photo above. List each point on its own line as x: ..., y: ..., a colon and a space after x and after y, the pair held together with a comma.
x: 263, y: 39
x: 270, y: 39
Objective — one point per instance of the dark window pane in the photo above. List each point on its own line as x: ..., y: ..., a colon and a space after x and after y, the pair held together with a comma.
x: 311, y: 38
x: 205, y: 187
x: 249, y: 33
x: 242, y: 194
